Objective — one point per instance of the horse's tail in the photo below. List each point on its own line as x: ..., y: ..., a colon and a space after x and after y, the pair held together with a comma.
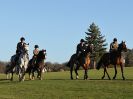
x: 100, y: 63
x: 9, y: 68
x: 72, y: 60
x: 68, y: 64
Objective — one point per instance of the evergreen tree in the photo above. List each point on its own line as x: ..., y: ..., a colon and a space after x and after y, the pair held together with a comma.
x: 95, y: 37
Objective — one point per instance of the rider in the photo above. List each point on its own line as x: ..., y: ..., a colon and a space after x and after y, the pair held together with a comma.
x: 35, y: 53
x: 20, y: 47
x: 19, y: 50
x: 113, y: 48
x: 114, y: 45
x: 80, y: 47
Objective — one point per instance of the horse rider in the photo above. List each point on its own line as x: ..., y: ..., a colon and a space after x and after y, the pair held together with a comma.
x: 35, y: 53
x: 80, y: 47
x: 114, y: 45
x: 113, y: 48
x: 20, y: 47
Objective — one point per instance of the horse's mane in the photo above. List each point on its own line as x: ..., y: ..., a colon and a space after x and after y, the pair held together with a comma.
x: 88, y: 49
x: 122, y: 46
x: 41, y: 55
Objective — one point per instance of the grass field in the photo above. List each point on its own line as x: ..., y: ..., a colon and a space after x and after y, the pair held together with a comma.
x: 56, y: 85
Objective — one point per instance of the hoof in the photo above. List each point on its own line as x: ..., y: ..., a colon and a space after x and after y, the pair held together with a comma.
x: 113, y: 78
x: 40, y: 79
x: 102, y: 77
x: 77, y: 77
x: 85, y: 77
x: 124, y: 78
x: 71, y: 78
x: 11, y: 79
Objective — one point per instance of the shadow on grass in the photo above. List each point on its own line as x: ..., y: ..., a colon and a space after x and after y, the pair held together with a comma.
x: 7, y: 81
x: 4, y: 81
x: 93, y: 79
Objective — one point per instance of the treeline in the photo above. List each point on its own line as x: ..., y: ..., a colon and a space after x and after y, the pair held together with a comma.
x: 62, y: 67
x: 3, y: 66
x: 129, y: 58
x: 56, y: 67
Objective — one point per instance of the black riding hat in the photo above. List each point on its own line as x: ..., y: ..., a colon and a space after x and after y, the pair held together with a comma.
x: 115, y: 39
x: 82, y: 40
x: 22, y: 38
x: 36, y: 46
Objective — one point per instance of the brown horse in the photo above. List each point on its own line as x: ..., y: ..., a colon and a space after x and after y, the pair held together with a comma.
x: 114, y: 58
x: 38, y: 66
x: 83, y: 60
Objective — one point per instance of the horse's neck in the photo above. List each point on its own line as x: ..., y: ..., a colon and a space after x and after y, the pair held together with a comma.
x: 24, y: 55
x: 118, y: 53
x: 40, y: 58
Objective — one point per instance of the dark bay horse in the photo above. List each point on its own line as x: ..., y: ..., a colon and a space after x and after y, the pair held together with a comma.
x: 37, y: 66
x: 83, y: 60
x: 116, y: 59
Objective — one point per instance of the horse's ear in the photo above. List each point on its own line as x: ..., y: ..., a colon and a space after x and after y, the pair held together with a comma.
x: 28, y: 44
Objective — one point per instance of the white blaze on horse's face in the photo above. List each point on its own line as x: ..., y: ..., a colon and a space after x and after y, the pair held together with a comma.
x: 44, y: 53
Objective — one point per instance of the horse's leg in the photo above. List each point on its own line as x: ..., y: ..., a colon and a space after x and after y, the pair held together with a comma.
x: 29, y: 72
x: 11, y: 76
x: 107, y: 73
x: 33, y: 70
x: 41, y: 74
x: 122, y: 71
x: 115, y: 72
x: 104, y: 72
x: 20, y: 74
x: 76, y: 71
x: 23, y: 73
x: 30, y: 78
x: 86, y: 74
x: 38, y: 73
x: 71, y: 70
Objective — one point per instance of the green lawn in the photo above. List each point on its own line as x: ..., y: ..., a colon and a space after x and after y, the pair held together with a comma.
x: 56, y: 85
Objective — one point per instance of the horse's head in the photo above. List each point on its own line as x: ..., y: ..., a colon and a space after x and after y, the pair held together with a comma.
x: 122, y: 46
x: 89, y: 48
x: 42, y: 54
x: 26, y: 47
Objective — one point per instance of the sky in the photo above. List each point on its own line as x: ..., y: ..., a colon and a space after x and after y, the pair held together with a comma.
x: 58, y: 25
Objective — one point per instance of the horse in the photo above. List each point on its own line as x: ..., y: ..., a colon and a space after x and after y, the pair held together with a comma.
x: 37, y: 66
x: 116, y: 59
x: 20, y: 65
x: 82, y: 60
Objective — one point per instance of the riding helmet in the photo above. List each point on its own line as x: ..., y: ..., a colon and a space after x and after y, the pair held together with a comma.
x: 22, y: 38
x: 82, y: 40
x: 36, y: 46
x: 115, y: 39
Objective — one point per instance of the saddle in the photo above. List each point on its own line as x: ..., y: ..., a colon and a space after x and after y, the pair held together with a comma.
x: 112, y: 56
